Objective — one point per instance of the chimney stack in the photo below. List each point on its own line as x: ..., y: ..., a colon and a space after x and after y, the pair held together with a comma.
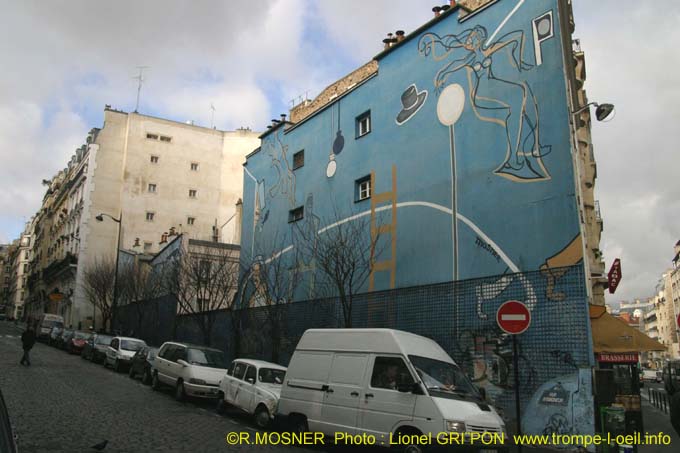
x: 445, y: 8
x: 400, y: 35
x: 437, y: 11
x: 452, y: 3
x: 283, y: 117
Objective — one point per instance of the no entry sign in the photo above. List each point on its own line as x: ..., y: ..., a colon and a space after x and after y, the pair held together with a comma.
x: 513, y: 317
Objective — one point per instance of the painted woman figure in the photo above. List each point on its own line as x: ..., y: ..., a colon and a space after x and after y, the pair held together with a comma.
x: 497, y: 94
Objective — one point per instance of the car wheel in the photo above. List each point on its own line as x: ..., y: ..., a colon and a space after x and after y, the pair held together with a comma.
x: 131, y: 372
x: 146, y: 378
x: 155, y: 383
x: 221, y: 405
x: 298, y: 424
x: 409, y: 447
x: 262, y: 416
x: 179, y: 391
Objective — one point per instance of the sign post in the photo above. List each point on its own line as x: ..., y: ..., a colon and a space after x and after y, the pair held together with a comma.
x: 514, y: 318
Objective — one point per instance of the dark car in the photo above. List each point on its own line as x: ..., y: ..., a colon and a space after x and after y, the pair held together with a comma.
x: 54, y: 335
x: 671, y: 376
x: 96, y: 346
x: 142, y: 364
x: 65, y: 338
x: 7, y: 437
x: 77, y: 341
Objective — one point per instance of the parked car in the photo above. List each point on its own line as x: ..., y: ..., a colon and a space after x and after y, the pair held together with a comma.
x: 77, y: 341
x: 7, y: 436
x: 671, y: 376
x: 121, y: 350
x: 54, y: 335
x: 191, y: 370
x: 142, y: 364
x: 253, y: 386
x: 45, y: 324
x: 381, y: 381
x: 650, y: 375
x: 64, y: 338
x: 96, y: 346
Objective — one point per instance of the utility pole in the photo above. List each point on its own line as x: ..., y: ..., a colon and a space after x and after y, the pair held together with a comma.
x: 140, y: 79
x: 212, y: 117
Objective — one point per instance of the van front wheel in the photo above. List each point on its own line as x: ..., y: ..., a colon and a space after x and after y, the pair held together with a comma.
x: 409, y: 447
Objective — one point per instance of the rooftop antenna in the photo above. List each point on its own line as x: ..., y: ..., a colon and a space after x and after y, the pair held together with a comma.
x: 212, y: 117
x: 140, y: 79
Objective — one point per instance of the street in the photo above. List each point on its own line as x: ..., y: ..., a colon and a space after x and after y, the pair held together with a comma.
x: 65, y: 404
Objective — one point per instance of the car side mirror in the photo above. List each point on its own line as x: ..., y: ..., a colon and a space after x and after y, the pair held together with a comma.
x: 250, y: 380
x: 183, y: 362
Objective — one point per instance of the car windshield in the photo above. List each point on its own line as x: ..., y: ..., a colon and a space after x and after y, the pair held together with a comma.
x: 131, y: 345
x: 271, y: 376
x: 47, y: 323
x: 206, y: 357
x: 67, y: 333
x: 81, y: 335
x: 443, y: 377
x: 103, y: 339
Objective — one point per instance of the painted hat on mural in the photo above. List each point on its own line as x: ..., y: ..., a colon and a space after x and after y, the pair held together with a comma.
x: 411, y: 102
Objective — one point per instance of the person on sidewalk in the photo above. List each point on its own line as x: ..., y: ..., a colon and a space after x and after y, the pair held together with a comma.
x: 675, y: 411
x: 27, y: 340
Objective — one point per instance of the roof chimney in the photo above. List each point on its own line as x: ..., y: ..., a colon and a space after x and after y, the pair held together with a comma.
x: 452, y: 3
x: 400, y: 35
x: 445, y: 8
x: 437, y: 11
x: 283, y: 117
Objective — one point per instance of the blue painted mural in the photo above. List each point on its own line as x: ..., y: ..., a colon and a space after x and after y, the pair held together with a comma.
x: 464, y: 132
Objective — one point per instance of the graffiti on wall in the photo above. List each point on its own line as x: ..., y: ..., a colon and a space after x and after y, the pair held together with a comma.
x: 554, y: 267
x: 516, y: 111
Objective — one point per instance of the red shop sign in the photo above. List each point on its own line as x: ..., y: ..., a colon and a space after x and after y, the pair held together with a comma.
x: 622, y: 357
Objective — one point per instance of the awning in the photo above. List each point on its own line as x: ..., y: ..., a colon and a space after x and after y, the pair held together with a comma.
x: 611, y: 334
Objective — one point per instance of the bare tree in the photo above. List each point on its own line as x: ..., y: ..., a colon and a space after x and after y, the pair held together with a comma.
x: 344, y: 253
x: 136, y: 288
x: 98, y: 284
x: 268, y: 283
x: 203, y: 279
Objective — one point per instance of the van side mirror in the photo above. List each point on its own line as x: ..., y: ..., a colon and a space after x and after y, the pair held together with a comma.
x: 250, y: 380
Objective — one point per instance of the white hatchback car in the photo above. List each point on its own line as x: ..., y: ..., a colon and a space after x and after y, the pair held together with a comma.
x: 121, y: 350
x: 190, y: 369
x: 253, y: 386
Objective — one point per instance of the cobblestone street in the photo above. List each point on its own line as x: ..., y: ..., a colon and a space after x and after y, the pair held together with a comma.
x: 65, y: 404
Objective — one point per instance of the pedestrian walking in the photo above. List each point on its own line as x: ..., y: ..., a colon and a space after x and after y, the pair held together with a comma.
x: 27, y: 340
x: 675, y: 411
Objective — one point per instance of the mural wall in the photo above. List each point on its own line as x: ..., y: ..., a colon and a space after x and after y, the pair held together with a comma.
x: 468, y: 151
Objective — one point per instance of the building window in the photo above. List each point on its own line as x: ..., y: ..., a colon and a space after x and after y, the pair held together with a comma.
x: 299, y: 159
x: 152, y: 136
x: 165, y: 138
x: 152, y: 188
x: 191, y: 220
x: 147, y: 246
x: 154, y: 159
x: 296, y: 214
x: 363, y: 124
x: 194, y: 166
x: 192, y: 193
x: 150, y: 216
x: 363, y: 188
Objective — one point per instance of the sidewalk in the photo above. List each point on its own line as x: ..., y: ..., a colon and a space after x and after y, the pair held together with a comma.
x: 656, y: 421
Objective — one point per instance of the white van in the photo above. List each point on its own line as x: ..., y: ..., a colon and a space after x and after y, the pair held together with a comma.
x: 381, y: 382
x: 45, y: 324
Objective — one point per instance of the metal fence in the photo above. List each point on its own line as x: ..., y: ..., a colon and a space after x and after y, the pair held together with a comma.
x: 460, y: 316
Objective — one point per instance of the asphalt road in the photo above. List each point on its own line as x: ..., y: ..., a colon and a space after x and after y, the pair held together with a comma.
x: 65, y: 404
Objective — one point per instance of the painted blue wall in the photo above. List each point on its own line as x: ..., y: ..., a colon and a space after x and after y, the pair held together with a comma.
x: 508, y: 220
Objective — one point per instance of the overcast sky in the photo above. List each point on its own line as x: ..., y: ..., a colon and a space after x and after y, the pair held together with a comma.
x: 63, y: 60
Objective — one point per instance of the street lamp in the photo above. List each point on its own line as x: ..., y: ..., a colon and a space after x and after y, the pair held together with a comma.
x: 114, y: 303
x: 602, y: 111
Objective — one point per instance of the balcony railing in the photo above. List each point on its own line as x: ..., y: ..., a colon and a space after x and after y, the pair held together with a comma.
x: 598, y: 213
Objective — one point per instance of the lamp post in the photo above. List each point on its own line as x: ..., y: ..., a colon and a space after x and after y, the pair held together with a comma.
x: 114, y: 303
x: 602, y: 111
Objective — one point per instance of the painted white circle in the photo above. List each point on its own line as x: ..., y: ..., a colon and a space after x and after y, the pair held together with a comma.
x: 543, y: 26
x: 330, y: 169
x: 450, y: 104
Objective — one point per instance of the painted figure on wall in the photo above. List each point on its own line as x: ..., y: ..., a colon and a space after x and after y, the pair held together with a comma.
x: 284, y: 180
x: 489, y: 74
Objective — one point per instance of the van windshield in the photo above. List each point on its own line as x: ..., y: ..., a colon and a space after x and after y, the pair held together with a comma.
x: 50, y: 324
x: 443, y: 377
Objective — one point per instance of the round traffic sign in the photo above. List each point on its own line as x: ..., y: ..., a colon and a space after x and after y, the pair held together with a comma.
x: 513, y: 317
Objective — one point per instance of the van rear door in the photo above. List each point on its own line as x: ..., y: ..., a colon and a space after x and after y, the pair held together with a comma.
x: 343, y: 392
x: 383, y: 406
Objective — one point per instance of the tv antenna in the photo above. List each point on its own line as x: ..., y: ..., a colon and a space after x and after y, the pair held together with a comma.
x: 212, y: 117
x: 140, y: 79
